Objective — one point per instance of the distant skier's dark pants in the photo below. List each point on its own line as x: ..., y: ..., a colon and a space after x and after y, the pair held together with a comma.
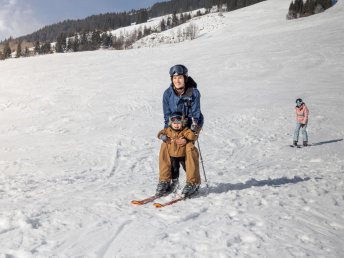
x: 191, y: 164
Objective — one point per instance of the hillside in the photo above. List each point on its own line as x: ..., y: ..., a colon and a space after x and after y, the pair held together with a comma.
x: 78, y: 143
x: 92, y: 33
x: 114, y: 20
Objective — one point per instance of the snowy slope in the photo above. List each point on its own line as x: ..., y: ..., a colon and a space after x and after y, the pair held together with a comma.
x: 77, y: 143
x: 201, y: 26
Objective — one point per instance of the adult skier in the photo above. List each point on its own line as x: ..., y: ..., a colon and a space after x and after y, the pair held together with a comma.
x: 302, y: 113
x: 181, y: 96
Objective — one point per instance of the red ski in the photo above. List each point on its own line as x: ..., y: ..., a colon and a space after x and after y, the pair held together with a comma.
x: 161, y: 205
x: 144, y: 201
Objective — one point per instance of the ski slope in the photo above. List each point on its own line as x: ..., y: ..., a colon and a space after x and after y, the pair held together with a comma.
x: 78, y: 143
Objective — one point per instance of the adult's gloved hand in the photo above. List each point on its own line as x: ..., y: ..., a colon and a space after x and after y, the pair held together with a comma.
x: 164, y: 138
x: 302, y: 125
x: 194, y: 127
x: 181, y: 141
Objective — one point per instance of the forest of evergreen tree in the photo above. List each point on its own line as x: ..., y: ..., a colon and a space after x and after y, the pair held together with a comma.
x: 91, y: 33
x: 299, y: 8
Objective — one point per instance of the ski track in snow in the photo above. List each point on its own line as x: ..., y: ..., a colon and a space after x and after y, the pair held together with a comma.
x: 78, y: 143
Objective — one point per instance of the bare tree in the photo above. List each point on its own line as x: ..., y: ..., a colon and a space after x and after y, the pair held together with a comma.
x: 191, y: 31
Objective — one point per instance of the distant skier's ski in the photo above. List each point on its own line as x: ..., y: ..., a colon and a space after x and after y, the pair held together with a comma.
x: 297, y: 146
x: 301, y: 146
x: 161, y: 205
x: 146, y: 200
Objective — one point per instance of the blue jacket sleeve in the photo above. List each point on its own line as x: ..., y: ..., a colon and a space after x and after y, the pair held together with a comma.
x: 196, y: 107
x: 166, y: 107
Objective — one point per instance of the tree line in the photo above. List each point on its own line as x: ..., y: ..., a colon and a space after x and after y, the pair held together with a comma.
x: 299, y: 8
x: 88, y: 41
x: 112, y: 21
x: 91, y: 33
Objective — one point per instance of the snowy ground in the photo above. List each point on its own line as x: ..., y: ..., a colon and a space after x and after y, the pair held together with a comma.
x: 77, y: 144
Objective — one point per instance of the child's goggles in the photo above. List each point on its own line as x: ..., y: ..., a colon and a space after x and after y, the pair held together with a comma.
x: 177, y: 119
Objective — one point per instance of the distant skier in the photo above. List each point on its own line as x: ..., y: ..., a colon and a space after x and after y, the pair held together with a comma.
x: 182, y: 96
x: 302, y: 113
x: 177, y: 153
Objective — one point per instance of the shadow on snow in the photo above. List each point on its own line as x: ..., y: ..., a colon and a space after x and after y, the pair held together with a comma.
x: 325, y: 142
x: 225, y: 187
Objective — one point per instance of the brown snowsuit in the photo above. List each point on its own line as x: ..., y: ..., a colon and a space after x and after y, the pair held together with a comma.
x: 172, y: 149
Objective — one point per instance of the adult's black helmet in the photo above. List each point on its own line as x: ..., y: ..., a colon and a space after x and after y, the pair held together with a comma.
x: 179, y: 69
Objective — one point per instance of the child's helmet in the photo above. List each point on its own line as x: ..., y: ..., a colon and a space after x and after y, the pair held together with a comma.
x: 299, y: 102
x: 177, y: 117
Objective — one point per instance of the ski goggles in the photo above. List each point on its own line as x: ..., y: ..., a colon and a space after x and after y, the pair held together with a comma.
x: 178, y: 70
x: 176, y: 119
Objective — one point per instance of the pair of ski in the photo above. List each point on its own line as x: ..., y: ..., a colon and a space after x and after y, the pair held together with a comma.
x: 296, y: 146
x: 300, y: 146
x: 157, y: 204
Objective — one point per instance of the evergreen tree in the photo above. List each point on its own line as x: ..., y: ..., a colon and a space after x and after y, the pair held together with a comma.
x: 61, y: 43
x: 118, y: 42
x: 26, y: 52
x: 291, y: 6
x: 106, y: 40
x: 142, y: 16
x: 37, y: 48
x: 299, y: 7
x: 324, y: 3
x: 84, y: 43
x: 46, y: 48
x: 7, y: 50
x: 95, y: 40
x: 75, y: 43
x: 175, y: 20
x: 139, y: 33
x: 309, y: 6
x: 19, y: 49
x: 162, y: 25
x: 169, y: 23
x: 146, y: 31
x: 182, y: 19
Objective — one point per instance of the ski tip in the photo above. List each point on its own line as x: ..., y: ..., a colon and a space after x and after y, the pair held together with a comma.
x: 158, y: 205
x: 134, y: 202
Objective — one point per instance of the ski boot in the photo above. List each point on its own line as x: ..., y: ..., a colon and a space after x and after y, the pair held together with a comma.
x: 190, y: 189
x: 295, y: 143
x: 163, y: 188
x: 305, y: 143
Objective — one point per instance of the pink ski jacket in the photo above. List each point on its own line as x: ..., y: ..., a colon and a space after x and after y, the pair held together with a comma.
x: 302, y: 114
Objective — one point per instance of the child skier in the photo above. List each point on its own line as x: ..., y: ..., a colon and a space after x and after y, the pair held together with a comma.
x: 168, y: 178
x: 301, y: 122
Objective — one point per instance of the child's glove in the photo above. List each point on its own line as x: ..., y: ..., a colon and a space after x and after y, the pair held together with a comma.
x: 164, y: 138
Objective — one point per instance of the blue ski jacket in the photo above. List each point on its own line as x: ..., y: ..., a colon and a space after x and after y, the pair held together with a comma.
x: 189, y: 104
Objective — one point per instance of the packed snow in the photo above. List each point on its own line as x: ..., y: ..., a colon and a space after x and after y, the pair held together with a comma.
x: 78, y: 143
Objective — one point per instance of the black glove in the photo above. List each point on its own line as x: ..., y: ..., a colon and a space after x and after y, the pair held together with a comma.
x: 302, y: 125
